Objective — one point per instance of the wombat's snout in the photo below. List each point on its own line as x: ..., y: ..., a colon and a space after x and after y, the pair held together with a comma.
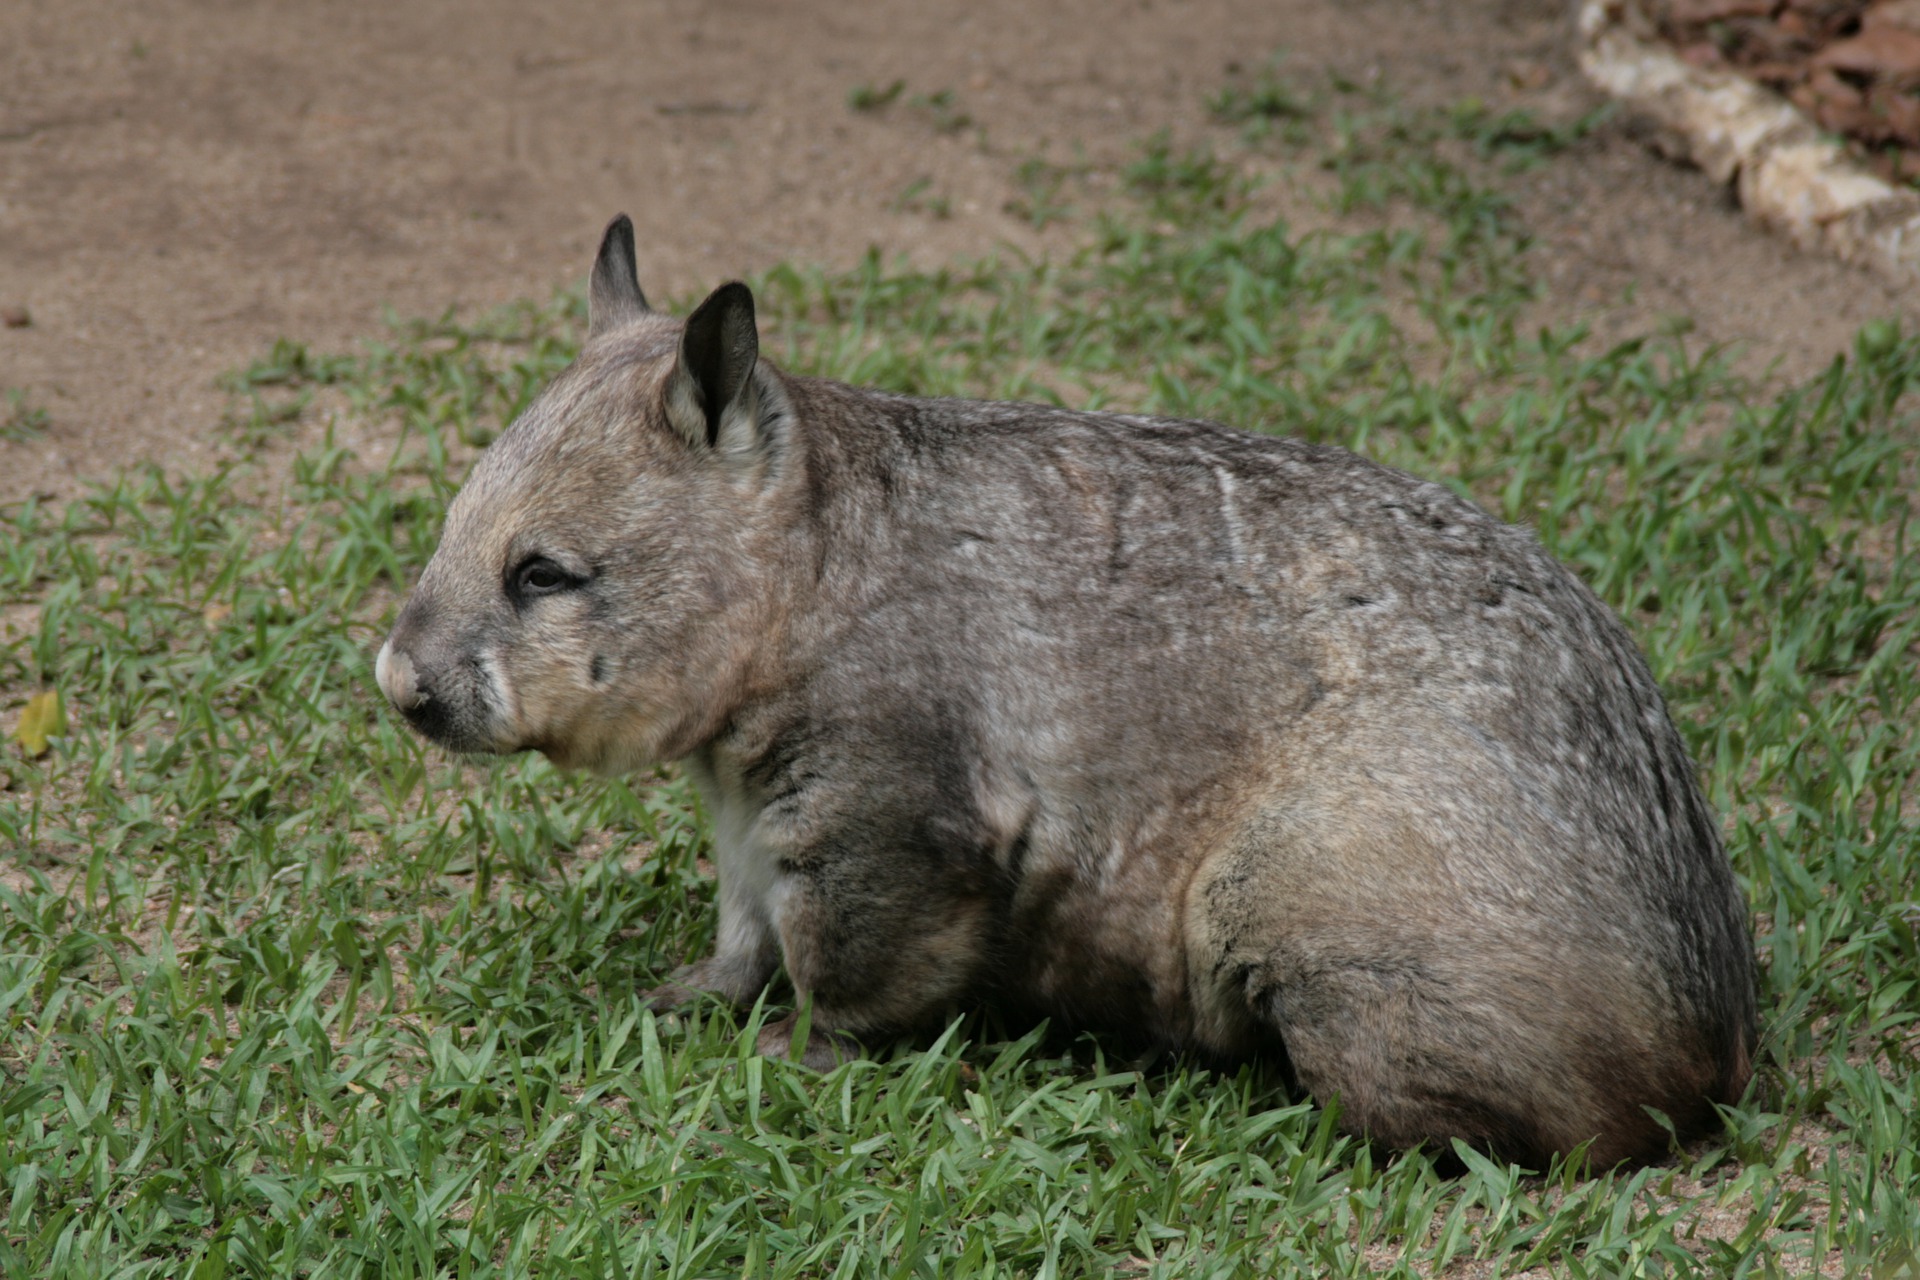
x: 400, y: 680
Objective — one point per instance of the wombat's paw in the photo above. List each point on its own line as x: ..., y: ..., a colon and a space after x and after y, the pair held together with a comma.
x: 690, y: 982
x: 824, y: 1050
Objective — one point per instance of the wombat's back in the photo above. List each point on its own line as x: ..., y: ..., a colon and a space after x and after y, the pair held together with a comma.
x: 1303, y: 745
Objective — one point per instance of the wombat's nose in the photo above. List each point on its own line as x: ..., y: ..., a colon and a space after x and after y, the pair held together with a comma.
x: 398, y: 679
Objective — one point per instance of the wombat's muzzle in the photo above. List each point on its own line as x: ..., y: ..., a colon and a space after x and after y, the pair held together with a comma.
x: 401, y: 681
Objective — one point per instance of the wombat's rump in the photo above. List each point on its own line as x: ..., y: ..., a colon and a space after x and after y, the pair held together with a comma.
x: 1237, y: 743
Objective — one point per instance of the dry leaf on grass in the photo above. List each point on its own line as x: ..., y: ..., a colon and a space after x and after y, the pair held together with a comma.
x: 43, y: 718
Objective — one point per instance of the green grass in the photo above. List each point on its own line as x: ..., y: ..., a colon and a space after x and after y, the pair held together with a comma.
x: 283, y: 992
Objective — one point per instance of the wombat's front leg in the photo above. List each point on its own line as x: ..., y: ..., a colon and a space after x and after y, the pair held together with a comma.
x: 746, y: 951
x: 877, y: 942
x: 871, y: 946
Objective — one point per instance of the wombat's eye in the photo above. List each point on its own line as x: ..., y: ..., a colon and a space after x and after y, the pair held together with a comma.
x: 540, y: 576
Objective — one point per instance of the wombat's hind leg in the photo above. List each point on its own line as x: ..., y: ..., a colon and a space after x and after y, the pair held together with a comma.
x: 1402, y: 1064
x: 1423, y: 1047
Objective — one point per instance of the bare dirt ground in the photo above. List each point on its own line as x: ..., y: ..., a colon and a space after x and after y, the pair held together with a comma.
x: 182, y: 182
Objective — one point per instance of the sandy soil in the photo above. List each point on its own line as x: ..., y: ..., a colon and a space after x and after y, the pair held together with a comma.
x: 182, y: 182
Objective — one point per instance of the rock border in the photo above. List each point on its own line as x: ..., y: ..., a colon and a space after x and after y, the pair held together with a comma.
x: 1790, y: 176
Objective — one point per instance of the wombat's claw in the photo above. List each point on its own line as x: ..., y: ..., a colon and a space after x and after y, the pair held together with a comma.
x: 683, y: 987
x: 824, y: 1050
x: 670, y: 995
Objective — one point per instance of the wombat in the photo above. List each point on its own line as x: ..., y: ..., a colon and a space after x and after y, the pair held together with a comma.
x: 1236, y: 744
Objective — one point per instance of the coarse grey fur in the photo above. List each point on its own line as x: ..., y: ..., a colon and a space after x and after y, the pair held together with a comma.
x: 1234, y: 743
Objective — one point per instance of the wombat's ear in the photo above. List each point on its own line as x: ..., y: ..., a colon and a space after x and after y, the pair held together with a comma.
x: 713, y: 398
x: 613, y: 291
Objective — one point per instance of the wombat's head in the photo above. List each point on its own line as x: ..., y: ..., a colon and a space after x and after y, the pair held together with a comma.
x: 611, y: 567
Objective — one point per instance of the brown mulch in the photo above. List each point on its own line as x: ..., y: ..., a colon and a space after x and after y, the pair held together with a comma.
x: 1852, y: 65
